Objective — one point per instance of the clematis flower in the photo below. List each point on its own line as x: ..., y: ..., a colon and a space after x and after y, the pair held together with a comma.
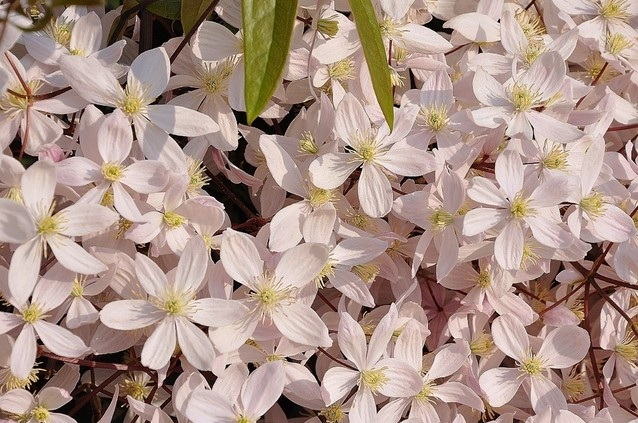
x: 37, y: 224
x: 562, y: 348
x: 376, y: 152
x: 174, y: 307
x: 146, y: 80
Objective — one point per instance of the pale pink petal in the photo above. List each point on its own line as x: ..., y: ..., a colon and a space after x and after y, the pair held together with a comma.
x: 350, y: 119
x: 16, y: 225
x: 352, y: 340
x: 448, y: 360
x: 358, y: 250
x: 151, y: 69
x: 191, y: 267
x: 78, y: 171
x: 382, y: 335
x: 375, y: 191
x: 509, y: 172
x: 510, y: 337
x: 302, y: 325
x: 240, y: 257
x: 214, y: 41
x: 419, y: 39
x: 500, y: 385
x: 74, y: 257
x: 475, y: 26
x: 457, y: 392
x: 156, y: 144
x: 363, y: 409
x: 403, y: 379
x: 330, y: 170
x: 549, y: 233
x: 263, y: 388
x: 181, y: 120
x: 38, y: 185
x: 448, y: 253
x: 130, y: 314
x: 115, y: 137
x: 215, y: 312
x: 194, y: 344
x: 52, y: 397
x: 81, y: 312
x: 301, y: 264
x: 59, y: 340
x: 145, y: 176
x: 352, y: 287
x: 545, y: 394
x: 204, y: 406
x: 285, y: 226
x: 24, y: 352
x: 484, y: 191
x: 91, y: 80
x: 85, y: 219
x: 614, y: 225
x: 150, y: 276
x: 159, y: 347
x: 405, y: 160
x: 337, y: 382
x: 546, y: 126
x: 24, y: 269
x: 17, y: 401
x: 546, y: 75
x: 86, y: 36
x: 508, y: 248
x: 564, y: 347
x: 488, y: 90
x: 282, y: 167
x: 481, y: 219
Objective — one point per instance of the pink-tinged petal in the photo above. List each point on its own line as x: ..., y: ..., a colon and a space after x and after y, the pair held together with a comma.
x: 125, y: 205
x: 488, y: 90
x: 86, y: 36
x: 52, y: 397
x: 215, y: 312
x: 204, y: 406
x: 549, y: 233
x: 59, y: 340
x: 491, y: 117
x: 545, y: 394
x: 512, y: 36
x: 42, y: 47
x: 508, y: 247
x: 577, y: 7
x: 9, y: 321
x: 509, y: 172
x: 330, y: 170
x: 553, y: 191
x: 195, y: 345
x: 150, y: 276
x: 240, y: 257
x: 407, y: 161
x: 181, y: 120
x: 375, y: 191
x: 563, y: 347
x: 42, y: 130
x: 156, y: 144
x: 151, y: 69
x: 352, y: 340
x: 159, y: 347
x: 510, y: 337
x: 351, y: 119
x: 482, y: 190
x: 74, y: 257
x: 437, y: 89
x: 519, y: 125
x: 409, y: 345
x: 419, y: 39
x: 78, y: 171
x: 381, y: 336
x: 145, y: 176
x: 53, y: 288
x: 107, y: 417
x: 226, y: 138
x: 457, y: 392
x: 38, y: 185
x: 352, y: 287
x: 16, y: 225
x: 476, y: 27
x: 545, y: 76
x: 546, y: 126
x: 318, y: 225
x: 500, y: 385
x: 358, y: 250
x: 513, y: 305
x: 130, y: 314
x: 448, y: 253
x: 231, y: 337
x: 301, y: 264
x: 85, y: 219
x: 263, y: 388
x: 364, y: 408
x: 24, y: 353
x: 453, y: 189
x: 17, y: 401
x: 614, y: 225
x: 24, y: 269
x: 403, y: 379
x: 285, y: 226
x: 214, y: 41
x: 115, y: 138
x: 482, y: 219
x: 302, y: 325
x: 448, y: 360
x: 91, y: 80
x: 337, y: 382
x: 282, y: 167
x: 191, y: 267
x: 81, y: 312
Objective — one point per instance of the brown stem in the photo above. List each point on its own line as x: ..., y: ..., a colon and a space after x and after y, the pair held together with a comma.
x: 95, y: 391
x: 562, y: 299
x: 336, y: 360
x: 592, y: 355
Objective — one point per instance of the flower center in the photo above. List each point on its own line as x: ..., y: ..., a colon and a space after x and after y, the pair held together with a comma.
x: 341, y: 70
x: 307, y: 144
x: 426, y: 393
x: 112, y: 171
x: 319, y: 196
x: 434, y: 117
x: 215, y: 75
x: 616, y: 43
x: 628, y: 349
x: 367, y: 272
x: 270, y: 294
x: 593, y: 204
x: 556, y: 159
x: 484, y: 280
x: 614, y: 9
x: 520, y: 207
x: 173, y: 220
x: 197, y: 176
x: 532, y: 52
x: 482, y: 346
x: 40, y: 414
x: 32, y: 313
x: 440, y: 218
x: 531, y: 366
x: 333, y: 414
x: 134, y: 388
x: 530, y: 23
x: 244, y: 419
x: 523, y: 97
x: 373, y: 379
x: 176, y: 304
x: 78, y: 287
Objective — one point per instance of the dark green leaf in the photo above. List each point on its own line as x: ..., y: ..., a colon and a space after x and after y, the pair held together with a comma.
x: 191, y: 11
x: 267, y: 32
x: 168, y: 9
x: 375, y: 53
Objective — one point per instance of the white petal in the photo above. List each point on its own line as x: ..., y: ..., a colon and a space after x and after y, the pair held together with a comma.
x: 352, y: 287
x: 91, y: 80
x: 546, y: 126
x: 375, y: 191
x: 488, y: 90
x: 216, y: 312
x: 352, y: 340
x: 240, y: 257
x: 159, y: 347
x: 337, y: 382
x: 115, y: 137
x: 263, y: 388
x: 510, y: 337
x: 156, y: 144
x: 500, y: 385
x: 282, y: 167
x: 38, y: 185
x: 330, y: 170
x: 285, y: 226
x: 181, y: 121
x: 350, y: 119
x: 407, y: 161
x: 195, y: 345
x: 24, y: 352
x: 545, y: 394
x: 214, y: 41
x: 565, y: 346
x: 130, y: 314
x: 59, y: 340
x: 403, y: 379
x: 508, y: 248
x: 73, y: 257
x: 204, y: 406
x: 192, y: 265
x: 151, y: 69
x: 301, y: 264
x: 509, y: 172
x: 24, y: 269
x: 16, y: 225
x: 86, y: 219
x: 302, y: 325
x: 78, y: 171
x: 150, y: 276
x: 146, y: 176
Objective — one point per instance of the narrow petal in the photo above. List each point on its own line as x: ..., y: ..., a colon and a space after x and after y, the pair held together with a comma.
x: 216, y: 312
x: 508, y: 248
x: 24, y: 353
x: 24, y: 269
x: 375, y: 191
x: 91, y: 80
x: 195, y: 345
x: 510, y: 337
x: 240, y: 257
x: 73, y: 257
x: 85, y: 219
x: 180, y: 120
x: 482, y: 219
x: 405, y: 160
x: 130, y: 314
x: 159, y: 347
x: 192, y: 265
x: 330, y: 170
x: 302, y: 325
x: 38, y: 185
x: 352, y: 340
x: 59, y: 340
x: 282, y: 167
x: 509, y: 172
x: 150, y: 276
x: 263, y: 388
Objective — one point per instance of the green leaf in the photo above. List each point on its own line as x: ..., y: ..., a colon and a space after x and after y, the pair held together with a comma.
x: 169, y: 9
x: 374, y: 51
x: 191, y: 11
x: 267, y: 32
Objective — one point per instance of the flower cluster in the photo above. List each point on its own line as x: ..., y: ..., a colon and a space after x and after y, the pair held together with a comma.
x: 475, y: 261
